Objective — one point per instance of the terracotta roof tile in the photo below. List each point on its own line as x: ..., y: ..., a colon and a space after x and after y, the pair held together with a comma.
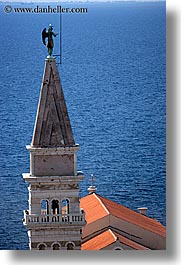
x: 96, y: 207
x: 93, y: 208
x: 130, y: 243
x: 133, y: 217
x: 107, y: 238
x: 100, y: 241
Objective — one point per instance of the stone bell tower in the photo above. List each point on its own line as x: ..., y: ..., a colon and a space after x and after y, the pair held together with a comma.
x: 54, y: 219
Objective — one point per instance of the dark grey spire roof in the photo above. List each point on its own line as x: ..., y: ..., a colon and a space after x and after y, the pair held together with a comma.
x: 52, y: 125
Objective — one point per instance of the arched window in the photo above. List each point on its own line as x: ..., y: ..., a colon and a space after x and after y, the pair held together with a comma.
x: 118, y: 248
x: 65, y: 206
x: 70, y: 246
x: 41, y: 246
x: 56, y: 246
x: 55, y: 207
x: 44, y: 207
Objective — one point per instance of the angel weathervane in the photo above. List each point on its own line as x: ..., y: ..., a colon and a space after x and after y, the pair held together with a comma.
x: 50, y: 34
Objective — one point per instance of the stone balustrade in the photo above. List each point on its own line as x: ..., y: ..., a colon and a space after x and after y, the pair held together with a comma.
x: 53, y: 218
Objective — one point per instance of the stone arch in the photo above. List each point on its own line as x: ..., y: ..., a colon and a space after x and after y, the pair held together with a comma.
x: 44, y: 206
x: 55, y: 206
x: 117, y: 248
x: 65, y: 206
x: 41, y: 246
x: 70, y: 245
x: 55, y: 246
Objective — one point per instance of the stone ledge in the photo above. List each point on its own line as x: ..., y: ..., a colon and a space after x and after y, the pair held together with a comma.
x: 69, y: 225
x: 53, y: 150
x: 53, y: 179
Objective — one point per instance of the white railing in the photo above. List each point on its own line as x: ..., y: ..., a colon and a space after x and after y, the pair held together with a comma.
x: 53, y: 218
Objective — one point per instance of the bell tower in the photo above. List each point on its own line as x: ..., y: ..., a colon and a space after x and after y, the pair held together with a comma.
x: 54, y: 219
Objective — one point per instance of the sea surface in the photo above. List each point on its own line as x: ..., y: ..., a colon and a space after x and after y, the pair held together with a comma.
x: 113, y: 75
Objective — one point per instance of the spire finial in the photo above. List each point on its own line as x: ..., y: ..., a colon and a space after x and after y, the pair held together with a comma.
x: 92, y: 179
x: 49, y: 34
x: 92, y: 188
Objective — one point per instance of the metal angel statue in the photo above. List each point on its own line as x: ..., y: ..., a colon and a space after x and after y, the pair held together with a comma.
x: 50, y: 34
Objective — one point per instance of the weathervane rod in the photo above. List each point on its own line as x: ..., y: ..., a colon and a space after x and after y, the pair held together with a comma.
x: 60, y: 37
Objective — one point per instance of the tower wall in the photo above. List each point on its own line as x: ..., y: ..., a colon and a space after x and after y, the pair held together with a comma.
x: 54, y: 219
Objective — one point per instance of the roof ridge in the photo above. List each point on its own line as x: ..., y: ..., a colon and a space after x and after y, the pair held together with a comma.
x: 158, y: 227
x: 99, y: 242
x: 115, y: 237
x: 102, y: 204
x: 129, y: 241
x: 129, y: 209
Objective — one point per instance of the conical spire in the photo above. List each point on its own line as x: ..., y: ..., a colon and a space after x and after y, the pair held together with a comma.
x: 52, y: 125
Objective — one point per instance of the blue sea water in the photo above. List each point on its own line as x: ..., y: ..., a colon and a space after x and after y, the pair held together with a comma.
x: 113, y: 76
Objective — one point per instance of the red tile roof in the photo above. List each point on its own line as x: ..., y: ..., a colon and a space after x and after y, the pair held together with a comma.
x: 96, y: 207
x: 133, y: 217
x: 130, y: 243
x: 100, y: 241
x: 93, y: 208
x: 107, y: 238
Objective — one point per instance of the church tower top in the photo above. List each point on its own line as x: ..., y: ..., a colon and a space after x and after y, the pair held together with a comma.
x: 52, y: 126
x: 54, y: 219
